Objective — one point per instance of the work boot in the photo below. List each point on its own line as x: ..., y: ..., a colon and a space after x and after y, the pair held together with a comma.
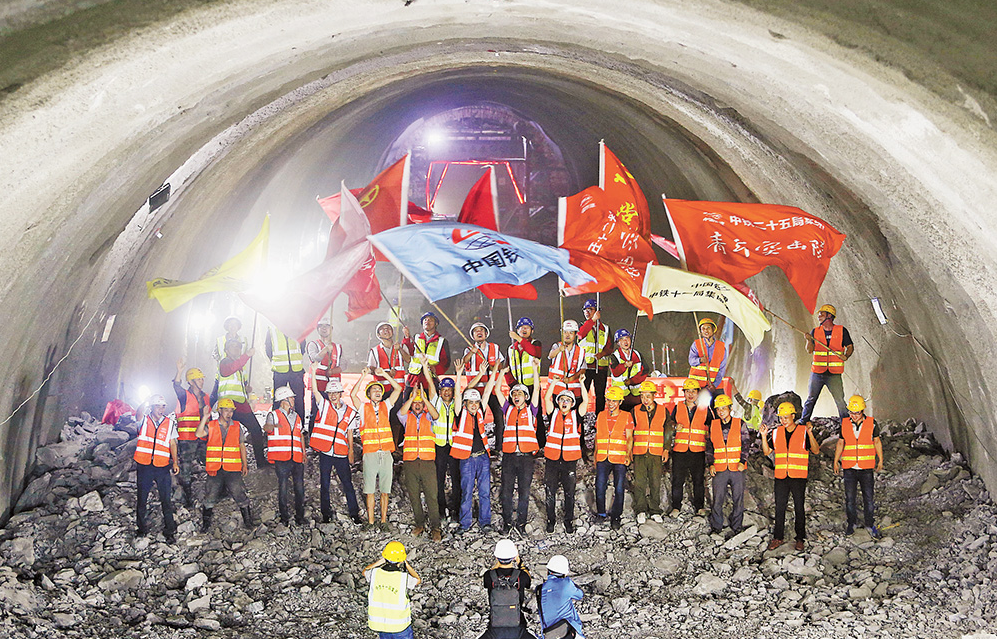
x: 327, y: 516
x: 206, y: 515
x: 569, y: 527
x: 247, y: 517
x: 550, y: 526
x: 417, y: 531
x: 775, y: 543
x: 849, y: 529
x: 437, y: 535
x: 616, y: 524
x: 171, y: 536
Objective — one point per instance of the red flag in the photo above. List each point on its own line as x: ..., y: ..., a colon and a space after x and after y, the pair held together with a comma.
x: 481, y: 209
x: 609, y: 274
x: 416, y: 214
x: 623, y: 194
x: 733, y: 241
x: 667, y: 245
x: 364, y: 290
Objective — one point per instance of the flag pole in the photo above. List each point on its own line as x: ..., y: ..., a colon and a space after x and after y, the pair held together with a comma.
x: 252, y: 344
x: 840, y: 354
x: 392, y: 307
x: 508, y: 305
x: 459, y: 332
x: 633, y: 337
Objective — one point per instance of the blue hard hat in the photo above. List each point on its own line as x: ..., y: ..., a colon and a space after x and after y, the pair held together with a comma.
x: 447, y: 382
x: 589, y: 303
x: 620, y: 333
x: 429, y: 314
x: 525, y: 321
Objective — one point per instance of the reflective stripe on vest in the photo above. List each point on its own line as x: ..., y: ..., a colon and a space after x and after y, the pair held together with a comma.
x: 223, y: 455
x: 690, y: 437
x: 563, y: 441
x: 284, y: 442
x: 477, y: 362
x: 152, y: 446
x: 286, y: 353
x: 329, y: 432
x: 232, y: 387
x: 591, y: 348
x: 419, y: 440
x: 389, y: 362
x: 329, y: 362
x: 520, y: 430
x: 463, y: 437
x: 525, y: 368
x: 443, y: 425
x: 188, y: 417
x: 566, y: 363
x: 861, y: 450
x: 611, y: 441
x: 824, y: 360
x: 708, y: 373
x: 726, y: 454
x: 432, y: 351
x: 649, y: 437
x: 791, y: 460
x: 388, y: 606
x: 623, y: 380
x: 375, y: 431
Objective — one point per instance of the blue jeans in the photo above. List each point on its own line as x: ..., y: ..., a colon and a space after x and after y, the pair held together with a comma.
x: 327, y: 464
x: 853, y: 479
x: 602, y: 470
x: 475, y: 469
x: 401, y: 634
x: 817, y: 383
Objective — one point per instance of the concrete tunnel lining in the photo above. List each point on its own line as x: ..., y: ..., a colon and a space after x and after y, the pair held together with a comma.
x: 920, y: 168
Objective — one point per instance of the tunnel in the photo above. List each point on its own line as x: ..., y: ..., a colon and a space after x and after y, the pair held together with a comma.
x: 874, y: 116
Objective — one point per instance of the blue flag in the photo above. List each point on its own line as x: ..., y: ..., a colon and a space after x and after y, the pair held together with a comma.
x: 443, y: 259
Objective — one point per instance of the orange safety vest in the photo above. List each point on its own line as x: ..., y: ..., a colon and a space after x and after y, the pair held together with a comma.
x: 690, y: 437
x: 611, y: 441
x: 419, y: 440
x: 824, y: 360
x: 188, y: 417
x: 520, y: 429
x: 793, y: 459
x: 390, y: 362
x: 649, y: 437
x: 328, y: 363
x: 567, y: 364
x: 463, y: 437
x: 478, y: 362
x: 285, y: 442
x: 375, y: 431
x: 861, y: 449
x: 726, y: 454
x: 153, y: 447
x: 329, y: 432
x: 563, y: 441
x: 223, y: 455
x: 708, y: 373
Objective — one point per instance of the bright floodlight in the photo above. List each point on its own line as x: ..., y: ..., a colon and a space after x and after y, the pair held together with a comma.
x: 434, y: 137
x: 143, y: 393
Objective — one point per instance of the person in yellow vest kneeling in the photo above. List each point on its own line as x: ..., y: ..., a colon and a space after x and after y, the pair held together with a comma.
x: 614, y: 439
x: 225, y: 463
x: 378, y: 442
x: 389, y: 610
x: 419, y: 461
x: 155, y: 449
x: 859, y: 455
x: 792, y: 460
x: 286, y: 451
x: 727, y: 457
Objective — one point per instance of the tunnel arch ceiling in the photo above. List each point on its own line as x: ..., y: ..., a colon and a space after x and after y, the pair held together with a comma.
x: 908, y: 176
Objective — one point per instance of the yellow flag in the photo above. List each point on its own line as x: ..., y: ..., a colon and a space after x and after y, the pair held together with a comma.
x: 232, y: 275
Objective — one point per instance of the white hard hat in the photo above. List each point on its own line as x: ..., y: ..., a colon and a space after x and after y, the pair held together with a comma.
x: 476, y: 325
x: 471, y: 395
x: 568, y: 394
x: 381, y: 325
x: 282, y: 393
x: 519, y: 387
x: 505, y: 550
x: 325, y: 321
x: 157, y: 400
x: 334, y: 386
x: 569, y: 325
x: 558, y: 564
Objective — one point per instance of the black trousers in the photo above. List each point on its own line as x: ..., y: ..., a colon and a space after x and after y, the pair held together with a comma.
x: 684, y: 465
x: 294, y: 472
x: 600, y: 376
x: 146, y: 477
x: 516, y: 470
x: 326, y: 464
x: 783, y: 489
x: 447, y: 465
x: 560, y: 473
x: 854, y: 479
x: 296, y: 380
x: 225, y: 481
x: 256, y: 439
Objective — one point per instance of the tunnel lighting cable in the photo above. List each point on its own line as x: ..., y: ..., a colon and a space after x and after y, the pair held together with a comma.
x: 64, y: 358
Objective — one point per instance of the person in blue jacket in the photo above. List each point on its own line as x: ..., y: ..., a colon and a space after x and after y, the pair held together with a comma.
x: 556, y: 599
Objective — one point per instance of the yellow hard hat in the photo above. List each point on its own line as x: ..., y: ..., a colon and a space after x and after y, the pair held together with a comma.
x: 856, y: 404
x: 226, y: 403
x: 722, y: 400
x: 690, y: 384
x: 786, y: 409
x: 647, y: 386
x: 707, y: 320
x: 615, y: 393
x: 755, y: 394
x: 194, y: 373
x: 372, y: 385
x: 394, y: 552
x: 827, y: 308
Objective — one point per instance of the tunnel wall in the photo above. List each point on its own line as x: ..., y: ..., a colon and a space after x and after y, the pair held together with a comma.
x: 908, y: 175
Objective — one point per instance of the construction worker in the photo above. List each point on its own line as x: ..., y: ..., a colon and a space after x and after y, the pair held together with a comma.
x: 790, y: 442
x: 562, y: 451
x: 232, y: 326
x: 443, y: 428
x: 752, y: 408
x: 332, y: 436
x: 287, y: 366
x: 377, y: 441
x: 626, y: 369
x: 232, y: 383
x: 593, y: 337
x: 482, y: 355
x: 831, y: 345
x: 470, y: 446
x: 286, y: 451
x: 859, y: 455
x: 524, y: 363
x: 707, y: 357
x: 519, y: 445
x: 388, y: 355
x: 419, y: 462
x: 653, y: 435
x: 155, y: 457
x: 614, y: 439
x: 727, y: 458
x: 192, y: 402
x: 507, y: 583
x: 556, y: 599
x: 567, y: 369
x: 690, y: 420
x: 327, y: 357
x: 225, y: 463
x: 427, y: 347
x: 389, y: 610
